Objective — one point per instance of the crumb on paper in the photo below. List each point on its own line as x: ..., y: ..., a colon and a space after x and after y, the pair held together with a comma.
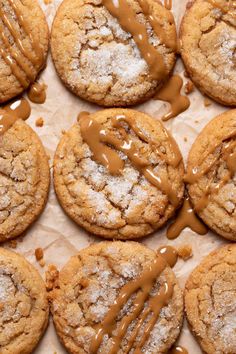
x: 38, y: 254
x: 42, y: 263
x: 188, y: 87
x: 39, y: 122
x: 196, y: 121
x: 13, y: 244
x: 185, y: 139
x: 63, y: 131
x: 185, y: 252
x: 207, y: 102
x: 51, y: 275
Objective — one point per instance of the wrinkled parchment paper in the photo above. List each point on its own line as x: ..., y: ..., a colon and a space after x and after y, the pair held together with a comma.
x: 61, y: 238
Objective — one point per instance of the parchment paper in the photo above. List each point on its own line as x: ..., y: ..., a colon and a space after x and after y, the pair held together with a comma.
x: 56, y: 233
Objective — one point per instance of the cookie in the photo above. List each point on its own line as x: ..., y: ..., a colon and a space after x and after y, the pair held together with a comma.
x: 99, y: 306
x: 113, y: 56
x: 127, y: 189
x: 23, y: 45
x: 208, y: 37
x: 23, y: 304
x: 24, y: 179
x: 211, y: 175
x: 210, y: 301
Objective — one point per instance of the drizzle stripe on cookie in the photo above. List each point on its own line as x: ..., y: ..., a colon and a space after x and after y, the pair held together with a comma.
x: 142, y: 287
x: 229, y: 156
x: 18, y: 60
x: 96, y: 137
x: 128, y: 21
x: 19, y: 109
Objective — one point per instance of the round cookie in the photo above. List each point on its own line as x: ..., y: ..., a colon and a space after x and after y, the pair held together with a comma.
x: 23, y: 304
x: 124, y: 205
x: 210, y: 301
x: 23, y: 45
x: 211, y: 175
x: 100, y: 62
x: 208, y: 37
x: 93, y: 280
x: 24, y: 179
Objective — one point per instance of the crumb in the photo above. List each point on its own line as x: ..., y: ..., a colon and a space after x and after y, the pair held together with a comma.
x: 13, y: 244
x: 51, y: 277
x: 1, y: 306
x: 188, y: 87
x: 39, y: 122
x: 42, y: 263
x: 207, y: 102
x: 185, y: 139
x: 84, y: 282
x: 186, y: 74
x: 63, y: 132
x: 185, y: 252
x: 38, y: 254
x: 196, y: 121
x: 49, y: 157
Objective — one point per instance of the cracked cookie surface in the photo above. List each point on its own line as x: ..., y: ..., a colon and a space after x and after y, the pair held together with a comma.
x: 99, y: 61
x: 90, y: 283
x: 213, y: 191
x: 13, y: 77
x: 120, y: 206
x: 23, y: 304
x: 24, y: 179
x: 210, y: 301
x: 208, y: 42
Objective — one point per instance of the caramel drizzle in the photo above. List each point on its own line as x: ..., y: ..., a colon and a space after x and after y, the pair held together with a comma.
x: 19, y: 109
x: 97, y: 138
x: 142, y: 286
x: 126, y: 17
x: 178, y: 350
x: 169, y: 253
x: 160, y: 32
x: 186, y: 218
x: 20, y: 68
x: 37, y: 93
x: 229, y: 156
x: 170, y: 93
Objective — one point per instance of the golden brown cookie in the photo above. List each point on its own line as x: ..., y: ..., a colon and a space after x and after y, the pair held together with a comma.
x: 208, y: 39
x: 23, y: 45
x: 119, y: 174
x: 210, y: 301
x: 24, y: 179
x: 211, y: 175
x: 23, y: 305
x: 96, y: 293
x: 101, y: 58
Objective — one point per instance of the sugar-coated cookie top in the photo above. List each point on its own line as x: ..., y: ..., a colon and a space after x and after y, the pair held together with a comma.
x: 103, y: 63
x: 23, y: 304
x: 210, y: 299
x: 92, y: 283
x: 24, y: 45
x: 208, y: 40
